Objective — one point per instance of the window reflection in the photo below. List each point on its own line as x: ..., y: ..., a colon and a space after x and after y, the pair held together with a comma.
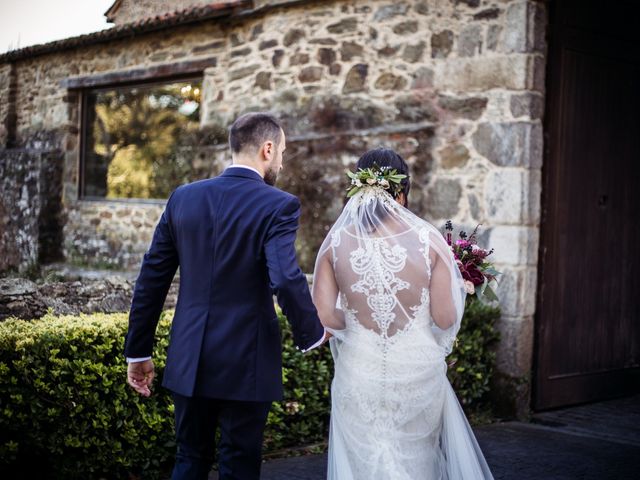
x: 132, y: 139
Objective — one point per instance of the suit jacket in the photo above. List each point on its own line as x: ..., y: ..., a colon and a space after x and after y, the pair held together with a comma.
x: 233, y: 238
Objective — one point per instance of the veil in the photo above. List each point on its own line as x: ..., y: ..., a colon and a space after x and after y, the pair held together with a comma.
x: 385, y: 263
x: 388, y: 288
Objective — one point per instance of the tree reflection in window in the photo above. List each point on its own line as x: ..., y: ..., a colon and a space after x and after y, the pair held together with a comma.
x: 133, y: 137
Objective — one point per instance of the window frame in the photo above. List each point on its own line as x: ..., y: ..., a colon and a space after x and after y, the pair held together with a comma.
x: 85, y: 128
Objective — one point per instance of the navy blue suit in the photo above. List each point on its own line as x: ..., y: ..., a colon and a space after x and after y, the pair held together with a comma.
x: 233, y: 238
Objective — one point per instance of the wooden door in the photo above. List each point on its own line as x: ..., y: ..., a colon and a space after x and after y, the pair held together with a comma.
x: 588, y: 313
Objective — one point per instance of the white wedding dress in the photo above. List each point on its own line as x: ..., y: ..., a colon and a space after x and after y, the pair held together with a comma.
x: 386, y: 285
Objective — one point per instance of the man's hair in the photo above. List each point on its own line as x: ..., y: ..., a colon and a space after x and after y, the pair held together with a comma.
x: 252, y: 130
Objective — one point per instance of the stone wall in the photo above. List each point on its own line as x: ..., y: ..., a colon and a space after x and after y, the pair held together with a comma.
x: 31, y: 213
x: 456, y: 86
x: 19, y: 209
x: 109, y: 235
x: 27, y: 300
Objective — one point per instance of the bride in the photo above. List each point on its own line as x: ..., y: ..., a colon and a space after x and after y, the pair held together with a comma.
x: 388, y: 289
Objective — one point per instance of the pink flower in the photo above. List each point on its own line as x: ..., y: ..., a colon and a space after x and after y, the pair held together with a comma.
x: 469, y: 287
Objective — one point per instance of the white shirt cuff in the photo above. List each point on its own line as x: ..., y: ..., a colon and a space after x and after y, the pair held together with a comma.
x: 317, y: 344
x: 136, y: 360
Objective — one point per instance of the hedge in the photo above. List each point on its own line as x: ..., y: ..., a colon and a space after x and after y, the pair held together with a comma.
x: 473, y: 358
x: 66, y: 411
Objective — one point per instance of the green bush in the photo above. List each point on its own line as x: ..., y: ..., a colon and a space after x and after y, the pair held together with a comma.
x: 65, y: 403
x: 473, y: 356
x: 65, y: 406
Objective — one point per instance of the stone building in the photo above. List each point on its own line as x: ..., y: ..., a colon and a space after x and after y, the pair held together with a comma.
x: 458, y: 87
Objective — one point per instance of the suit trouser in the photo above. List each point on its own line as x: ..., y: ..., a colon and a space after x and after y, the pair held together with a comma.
x: 240, y: 446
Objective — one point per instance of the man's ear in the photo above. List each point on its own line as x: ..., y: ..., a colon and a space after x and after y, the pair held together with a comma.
x: 268, y: 150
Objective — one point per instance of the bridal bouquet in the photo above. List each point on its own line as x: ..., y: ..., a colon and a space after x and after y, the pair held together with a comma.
x: 479, y: 274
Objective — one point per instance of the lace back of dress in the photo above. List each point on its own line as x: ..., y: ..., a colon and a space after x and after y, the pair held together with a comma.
x: 381, y: 258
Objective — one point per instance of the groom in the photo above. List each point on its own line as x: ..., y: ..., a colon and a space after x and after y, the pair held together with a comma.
x: 233, y: 238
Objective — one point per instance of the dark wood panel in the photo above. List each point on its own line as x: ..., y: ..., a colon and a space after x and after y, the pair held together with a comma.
x: 587, y: 322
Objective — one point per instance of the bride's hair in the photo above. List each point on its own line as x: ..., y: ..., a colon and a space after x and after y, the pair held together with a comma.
x: 385, y: 157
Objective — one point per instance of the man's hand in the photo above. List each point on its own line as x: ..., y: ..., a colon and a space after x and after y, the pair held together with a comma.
x: 327, y: 336
x: 140, y: 376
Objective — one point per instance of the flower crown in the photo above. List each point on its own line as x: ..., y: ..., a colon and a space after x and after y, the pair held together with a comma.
x: 375, y: 176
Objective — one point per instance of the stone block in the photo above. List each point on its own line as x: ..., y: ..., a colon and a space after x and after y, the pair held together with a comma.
x: 263, y: 80
x: 515, y: 350
x: 240, y: 52
x: 326, y: 56
x: 441, y: 44
x: 406, y: 27
x: 517, y: 290
x: 413, y: 53
x: 293, y: 36
x: 356, y: 79
x: 525, y: 24
x: 323, y: 41
x: 310, y: 74
x: 470, y: 108
x: 242, y: 72
x: 276, y: 59
x: 514, y: 245
x: 299, y: 59
x: 487, y: 14
x: 343, y: 26
x: 527, y: 104
x: 454, y: 156
x: 512, y: 196
x: 443, y: 197
x: 389, y: 81
x: 510, y: 144
x: 514, y: 72
x: 421, y: 8
x: 535, y: 70
x: 388, y: 50
x: 390, y: 11
x: 470, y: 41
x: 349, y: 50
x: 267, y: 44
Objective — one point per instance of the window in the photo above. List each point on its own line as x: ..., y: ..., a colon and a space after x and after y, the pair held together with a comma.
x: 133, y: 138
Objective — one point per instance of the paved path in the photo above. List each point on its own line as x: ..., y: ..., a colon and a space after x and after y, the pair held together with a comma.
x: 599, y: 441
